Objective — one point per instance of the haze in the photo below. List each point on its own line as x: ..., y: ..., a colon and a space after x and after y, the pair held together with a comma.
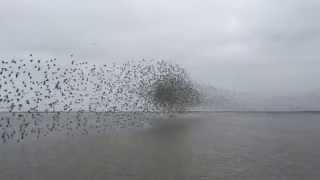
x: 255, y: 46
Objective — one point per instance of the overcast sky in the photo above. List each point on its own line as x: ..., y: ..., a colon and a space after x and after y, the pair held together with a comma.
x: 258, y: 46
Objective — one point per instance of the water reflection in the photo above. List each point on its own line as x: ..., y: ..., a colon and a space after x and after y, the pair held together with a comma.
x: 19, y: 126
x: 161, y: 149
x: 168, y: 150
x: 191, y: 146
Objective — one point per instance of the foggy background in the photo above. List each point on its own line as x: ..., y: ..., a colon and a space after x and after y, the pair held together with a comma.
x: 249, y: 46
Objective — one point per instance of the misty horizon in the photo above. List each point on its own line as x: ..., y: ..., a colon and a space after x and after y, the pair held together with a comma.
x: 260, y: 47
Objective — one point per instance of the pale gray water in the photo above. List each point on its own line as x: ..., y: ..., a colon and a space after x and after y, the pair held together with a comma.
x: 261, y: 146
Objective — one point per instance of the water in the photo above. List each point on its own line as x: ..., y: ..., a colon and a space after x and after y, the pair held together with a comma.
x: 262, y: 146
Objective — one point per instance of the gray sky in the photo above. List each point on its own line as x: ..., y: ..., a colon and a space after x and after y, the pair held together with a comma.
x: 258, y: 46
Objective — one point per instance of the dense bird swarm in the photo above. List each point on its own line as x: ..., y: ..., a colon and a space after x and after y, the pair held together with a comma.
x: 35, y: 85
x: 45, y: 86
x: 174, y: 92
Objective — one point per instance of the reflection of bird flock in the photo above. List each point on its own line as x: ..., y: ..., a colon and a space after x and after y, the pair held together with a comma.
x: 21, y: 126
x: 45, y: 86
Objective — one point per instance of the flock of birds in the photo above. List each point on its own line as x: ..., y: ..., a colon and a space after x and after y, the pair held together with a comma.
x: 30, y: 87
x: 35, y: 85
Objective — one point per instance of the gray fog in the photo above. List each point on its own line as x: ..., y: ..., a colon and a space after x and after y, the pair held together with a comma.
x: 254, y: 46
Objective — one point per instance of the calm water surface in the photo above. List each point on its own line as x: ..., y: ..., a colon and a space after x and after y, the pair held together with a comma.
x: 139, y: 146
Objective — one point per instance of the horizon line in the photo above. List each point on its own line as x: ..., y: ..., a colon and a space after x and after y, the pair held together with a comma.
x: 177, y: 112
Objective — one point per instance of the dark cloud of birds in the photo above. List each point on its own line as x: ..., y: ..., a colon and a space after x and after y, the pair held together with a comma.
x: 83, y: 97
x: 34, y: 85
x: 174, y: 92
